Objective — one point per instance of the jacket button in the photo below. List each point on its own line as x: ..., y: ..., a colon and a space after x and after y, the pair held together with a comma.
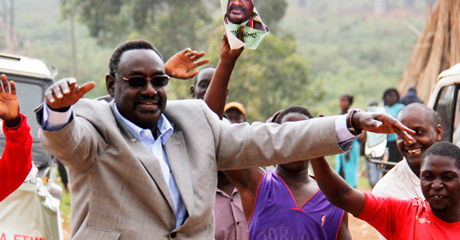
x: 173, y: 235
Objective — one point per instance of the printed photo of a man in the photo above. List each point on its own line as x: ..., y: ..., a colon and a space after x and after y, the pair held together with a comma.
x: 242, y: 12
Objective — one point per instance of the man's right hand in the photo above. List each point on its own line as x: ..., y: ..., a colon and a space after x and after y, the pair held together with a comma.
x: 65, y: 93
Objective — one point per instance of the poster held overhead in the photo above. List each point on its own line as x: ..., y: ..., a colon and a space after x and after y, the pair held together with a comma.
x: 239, y: 13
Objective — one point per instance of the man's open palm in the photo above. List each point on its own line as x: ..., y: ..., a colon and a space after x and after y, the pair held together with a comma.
x: 9, y: 104
x: 65, y: 93
x: 180, y: 65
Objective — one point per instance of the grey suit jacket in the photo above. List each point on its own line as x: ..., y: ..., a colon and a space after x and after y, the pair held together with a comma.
x: 118, y: 190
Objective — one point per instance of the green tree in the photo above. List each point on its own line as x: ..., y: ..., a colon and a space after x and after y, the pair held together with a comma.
x: 170, y: 24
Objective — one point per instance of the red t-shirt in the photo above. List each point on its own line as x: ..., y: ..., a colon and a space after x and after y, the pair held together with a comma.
x: 16, y: 160
x: 408, y: 219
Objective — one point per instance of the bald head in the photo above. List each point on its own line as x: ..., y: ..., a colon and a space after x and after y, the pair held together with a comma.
x: 429, y: 113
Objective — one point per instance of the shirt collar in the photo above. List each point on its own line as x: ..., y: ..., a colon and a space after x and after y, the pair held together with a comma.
x: 164, y: 127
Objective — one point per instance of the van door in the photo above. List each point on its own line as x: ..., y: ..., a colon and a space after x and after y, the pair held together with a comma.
x: 448, y: 113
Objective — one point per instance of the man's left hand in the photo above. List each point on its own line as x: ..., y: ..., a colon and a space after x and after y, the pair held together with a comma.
x: 9, y: 104
x: 180, y: 65
x: 226, y: 52
x: 381, y: 123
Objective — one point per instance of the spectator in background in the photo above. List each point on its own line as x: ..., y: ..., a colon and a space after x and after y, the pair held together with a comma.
x: 347, y: 164
x: 63, y: 173
x: 201, y: 82
x: 392, y: 105
x: 373, y: 172
x: 287, y: 201
x: 411, y: 96
x: 235, y: 112
x: 230, y: 223
x: 16, y: 160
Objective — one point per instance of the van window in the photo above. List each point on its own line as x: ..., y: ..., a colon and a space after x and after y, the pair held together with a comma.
x: 30, y: 96
x: 456, y: 131
x: 444, y: 108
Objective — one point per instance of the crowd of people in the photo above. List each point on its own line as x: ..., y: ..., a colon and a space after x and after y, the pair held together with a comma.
x: 144, y: 167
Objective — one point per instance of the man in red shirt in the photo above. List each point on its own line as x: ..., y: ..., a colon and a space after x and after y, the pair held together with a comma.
x: 437, y: 217
x: 16, y: 160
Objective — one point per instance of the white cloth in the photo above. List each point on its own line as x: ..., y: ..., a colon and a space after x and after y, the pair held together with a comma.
x: 401, y: 182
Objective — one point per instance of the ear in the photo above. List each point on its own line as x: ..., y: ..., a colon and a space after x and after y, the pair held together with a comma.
x: 439, y: 132
x: 110, y: 84
x: 192, y: 91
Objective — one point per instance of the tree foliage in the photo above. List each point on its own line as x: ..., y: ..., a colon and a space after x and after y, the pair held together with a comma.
x: 266, y: 80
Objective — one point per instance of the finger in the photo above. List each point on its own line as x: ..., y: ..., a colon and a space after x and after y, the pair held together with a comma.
x: 200, y: 63
x: 65, y: 88
x: 186, y: 51
x: 49, y: 96
x: 201, y: 54
x: 56, y: 90
x: 405, y: 135
x: 5, y: 84
x: 190, y: 75
x: 13, y: 87
x: 240, y: 33
x: 398, y: 125
x: 85, y: 88
x: 3, y: 77
x: 73, y: 85
x: 193, y: 55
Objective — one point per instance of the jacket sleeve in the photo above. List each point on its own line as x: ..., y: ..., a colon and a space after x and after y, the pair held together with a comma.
x: 16, y: 160
x: 80, y: 142
x: 263, y: 144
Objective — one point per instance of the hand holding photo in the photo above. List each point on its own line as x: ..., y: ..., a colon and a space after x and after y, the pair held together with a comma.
x: 243, y: 13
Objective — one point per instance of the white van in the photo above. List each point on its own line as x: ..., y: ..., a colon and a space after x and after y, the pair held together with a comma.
x: 32, y: 78
x: 445, y: 101
x: 32, y: 211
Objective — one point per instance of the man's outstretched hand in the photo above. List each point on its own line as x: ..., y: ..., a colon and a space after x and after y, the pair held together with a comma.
x: 382, y: 123
x: 9, y: 104
x: 180, y: 65
x: 65, y: 93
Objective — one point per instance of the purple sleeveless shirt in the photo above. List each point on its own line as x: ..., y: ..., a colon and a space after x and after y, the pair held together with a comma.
x: 277, y: 217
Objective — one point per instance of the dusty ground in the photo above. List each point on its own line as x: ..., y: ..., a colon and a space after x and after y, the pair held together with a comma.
x: 360, y: 230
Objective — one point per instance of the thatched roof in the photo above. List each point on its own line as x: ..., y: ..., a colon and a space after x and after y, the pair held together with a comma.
x: 436, y: 50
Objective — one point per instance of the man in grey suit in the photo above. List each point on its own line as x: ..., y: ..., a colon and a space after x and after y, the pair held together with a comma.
x: 142, y: 167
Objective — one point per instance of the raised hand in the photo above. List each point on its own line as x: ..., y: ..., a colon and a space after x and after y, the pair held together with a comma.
x: 382, y: 123
x: 226, y: 52
x: 65, y: 93
x: 9, y: 104
x: 179, y: 65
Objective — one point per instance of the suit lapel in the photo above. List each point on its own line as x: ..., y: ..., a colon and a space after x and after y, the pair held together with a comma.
x: 176, y: 153
x: 147, y: 159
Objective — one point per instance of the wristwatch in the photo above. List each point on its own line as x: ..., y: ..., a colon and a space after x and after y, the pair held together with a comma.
x: 351, y: 112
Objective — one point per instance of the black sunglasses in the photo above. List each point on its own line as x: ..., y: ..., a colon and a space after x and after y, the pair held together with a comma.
x: 139, y: 81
